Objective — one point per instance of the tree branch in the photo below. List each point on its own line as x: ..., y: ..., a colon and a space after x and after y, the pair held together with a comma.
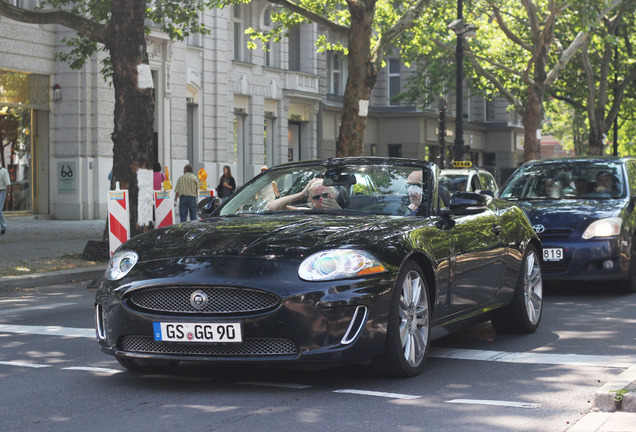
x: 85, y: 27
x: 578, y: 41
x: 406, y: 21
x: 504, y: 28
x: 318, y: 19
x: 620, y: 95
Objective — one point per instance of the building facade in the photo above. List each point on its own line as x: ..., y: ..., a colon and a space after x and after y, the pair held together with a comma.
x: 217, y: 103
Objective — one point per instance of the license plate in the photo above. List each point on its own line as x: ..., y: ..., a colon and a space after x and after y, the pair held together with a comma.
x: 197, y: 332
x: 552, y: 254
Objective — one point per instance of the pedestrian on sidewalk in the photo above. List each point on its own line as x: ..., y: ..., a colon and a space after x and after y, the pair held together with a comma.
x: 186, y: 192
x: 5, y: 185
x: 227, y: 184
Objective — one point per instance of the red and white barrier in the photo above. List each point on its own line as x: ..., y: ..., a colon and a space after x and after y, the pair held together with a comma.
x: 204, y: 193
x: 118, y: 218
x: 164, y: 208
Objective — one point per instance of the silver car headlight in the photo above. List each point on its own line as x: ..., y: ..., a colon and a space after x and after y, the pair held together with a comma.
x: 603, y: 228
x: 120, y: 264
x: 339, y: 264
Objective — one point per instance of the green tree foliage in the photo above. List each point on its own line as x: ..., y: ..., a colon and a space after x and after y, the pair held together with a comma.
x: 596, y: 80
x: 519, y: 53
x: 365, y: 30
x: 119, y: 27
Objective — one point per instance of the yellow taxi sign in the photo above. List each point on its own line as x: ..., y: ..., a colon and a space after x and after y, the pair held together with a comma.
x: 462, y: 164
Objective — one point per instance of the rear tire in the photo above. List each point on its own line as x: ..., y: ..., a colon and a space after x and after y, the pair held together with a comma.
x: 523, y: 314
x: 408, y: 329
x: 143, y: 365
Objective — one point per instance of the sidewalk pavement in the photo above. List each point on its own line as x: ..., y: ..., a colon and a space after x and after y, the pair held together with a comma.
x: 33, y: 237
x: 36, y: 237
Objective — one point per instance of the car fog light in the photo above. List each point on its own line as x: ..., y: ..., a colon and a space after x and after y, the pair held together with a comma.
x: 608, y: 264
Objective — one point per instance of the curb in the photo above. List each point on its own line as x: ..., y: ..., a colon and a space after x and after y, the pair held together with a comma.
x: 604, y: 397
x: 9, y: 283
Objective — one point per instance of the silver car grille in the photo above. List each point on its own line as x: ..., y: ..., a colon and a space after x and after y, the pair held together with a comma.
x: 220, y: 300
x: 249, y: 347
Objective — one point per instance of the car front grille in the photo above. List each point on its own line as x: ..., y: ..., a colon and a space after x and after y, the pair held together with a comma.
x: 220, y: 300
x: 249, y: 347
x: 562, y: 266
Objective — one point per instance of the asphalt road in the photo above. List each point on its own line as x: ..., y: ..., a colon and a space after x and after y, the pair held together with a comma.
x: 54, y: 377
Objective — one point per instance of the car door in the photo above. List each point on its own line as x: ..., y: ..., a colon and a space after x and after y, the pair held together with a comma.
x: 477, y: 264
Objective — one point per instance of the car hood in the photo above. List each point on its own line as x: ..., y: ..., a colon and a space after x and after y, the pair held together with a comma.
x: 287, y: 237
x: 569, y: 214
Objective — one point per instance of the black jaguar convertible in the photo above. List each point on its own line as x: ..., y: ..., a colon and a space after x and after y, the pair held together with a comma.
x: 351, y: 260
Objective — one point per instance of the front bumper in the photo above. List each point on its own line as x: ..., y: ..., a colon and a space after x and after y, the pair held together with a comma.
x: 595, y: 259
x: 312, y: 321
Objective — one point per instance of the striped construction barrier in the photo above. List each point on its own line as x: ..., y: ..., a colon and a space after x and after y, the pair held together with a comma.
x: 164, y: 208
x: 118, y: 218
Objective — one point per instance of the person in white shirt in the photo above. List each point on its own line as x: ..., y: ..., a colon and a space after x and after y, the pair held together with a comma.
x: 5, y: 184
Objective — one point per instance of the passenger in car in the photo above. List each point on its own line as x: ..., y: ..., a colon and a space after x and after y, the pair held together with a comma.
x: 553, y: 188
x: 581, y: 187
x: 606, y: 183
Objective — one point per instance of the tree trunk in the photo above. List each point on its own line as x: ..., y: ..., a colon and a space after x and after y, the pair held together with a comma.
x: 596, y: 135
x: 532, y: 121
x: 134, y: 98
x: 362, y: 76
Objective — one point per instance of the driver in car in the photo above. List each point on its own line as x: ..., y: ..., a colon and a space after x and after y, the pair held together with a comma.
x: 319, y: 197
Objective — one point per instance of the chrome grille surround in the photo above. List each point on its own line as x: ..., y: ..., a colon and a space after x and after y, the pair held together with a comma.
x: 220, y: 300
x: 249, y: 347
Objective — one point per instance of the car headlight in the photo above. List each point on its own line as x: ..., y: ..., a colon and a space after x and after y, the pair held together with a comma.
x: 120, y: 264
x: 339, y: 264
x: 603, y: 228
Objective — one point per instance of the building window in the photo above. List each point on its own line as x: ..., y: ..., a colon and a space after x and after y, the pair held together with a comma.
x: 490, y: 110
x: 195, y: 40
x: 394, y: 81
x: 395, y: 150
x: 270, y: 48
x: 337, y: 66
x: 294, y: 48
x: 240, y: 45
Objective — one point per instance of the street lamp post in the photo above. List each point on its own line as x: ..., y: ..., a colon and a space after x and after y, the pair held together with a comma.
x: 441, y: 132
x: 458, y: 145
x: 462, y: 30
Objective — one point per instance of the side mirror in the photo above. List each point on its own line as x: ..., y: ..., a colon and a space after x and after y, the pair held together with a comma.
x: 487, y: 192
x: 207, y: 206
x: 468, y: 203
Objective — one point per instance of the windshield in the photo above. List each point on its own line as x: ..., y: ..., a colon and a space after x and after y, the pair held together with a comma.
x: 369, y: 189
x: 567, y: 180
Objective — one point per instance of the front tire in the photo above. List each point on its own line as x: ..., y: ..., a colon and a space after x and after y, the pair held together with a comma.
x: 629, y: 285
x: 408, y: 329
x: 523, y: 314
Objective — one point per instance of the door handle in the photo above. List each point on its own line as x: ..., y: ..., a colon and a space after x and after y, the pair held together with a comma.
x: 496, y: 229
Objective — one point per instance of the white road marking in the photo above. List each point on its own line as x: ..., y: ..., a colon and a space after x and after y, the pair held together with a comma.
x: 535, y: 358
x: 23, y: 364
x: 494, y: 403
x: 274, y: 384
x: 48, y: 330
x: 32, y: 308
x: 94, y: 369
x: 379, y: 394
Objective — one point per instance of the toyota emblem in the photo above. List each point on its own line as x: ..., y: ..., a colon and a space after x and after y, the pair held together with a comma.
x: 538, y: 228
x: 199, y: 300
